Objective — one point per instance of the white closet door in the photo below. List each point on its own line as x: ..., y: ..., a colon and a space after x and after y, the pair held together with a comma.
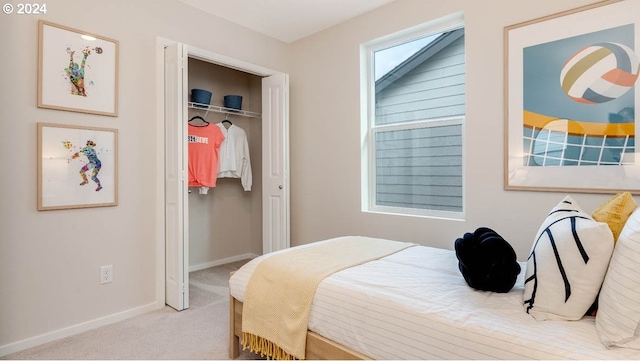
x: 176, y: 209
x: 275, y: 163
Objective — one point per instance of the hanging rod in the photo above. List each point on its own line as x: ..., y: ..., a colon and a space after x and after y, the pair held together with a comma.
x: 217, y: 109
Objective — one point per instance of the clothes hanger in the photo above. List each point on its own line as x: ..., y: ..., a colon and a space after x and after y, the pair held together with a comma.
x: 226, y: 120
x: 198, y: 117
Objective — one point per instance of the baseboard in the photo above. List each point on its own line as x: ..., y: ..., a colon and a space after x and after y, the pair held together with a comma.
x: 201, y: 266
x: 107, y: 320
x: 76, y: 329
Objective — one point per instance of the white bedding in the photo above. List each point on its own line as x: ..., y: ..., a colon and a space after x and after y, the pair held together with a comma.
x: 415, y: 304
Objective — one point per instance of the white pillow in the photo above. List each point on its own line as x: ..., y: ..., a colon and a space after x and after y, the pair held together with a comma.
x: 567, y: 263
x: 618, y: 317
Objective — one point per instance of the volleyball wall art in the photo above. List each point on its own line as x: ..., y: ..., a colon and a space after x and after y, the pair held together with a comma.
x: 77, y: 70
x: 571, y: 99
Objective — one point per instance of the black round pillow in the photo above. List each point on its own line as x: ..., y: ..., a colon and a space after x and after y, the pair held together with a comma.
x: 487, y: 262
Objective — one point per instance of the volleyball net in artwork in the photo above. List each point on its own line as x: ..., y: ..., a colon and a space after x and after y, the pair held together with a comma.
x: 564, y: 142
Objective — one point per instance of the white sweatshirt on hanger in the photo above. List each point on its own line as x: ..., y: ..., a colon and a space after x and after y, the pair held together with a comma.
x: 233, y: 156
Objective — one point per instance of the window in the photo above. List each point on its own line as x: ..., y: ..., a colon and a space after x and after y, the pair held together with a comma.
x: 413, y: 122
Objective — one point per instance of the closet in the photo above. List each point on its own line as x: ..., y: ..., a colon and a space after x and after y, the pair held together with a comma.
x: 225, y: 224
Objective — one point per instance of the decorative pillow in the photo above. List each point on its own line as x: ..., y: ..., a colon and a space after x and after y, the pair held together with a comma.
x: 618, y: 317
x: 615, y: 212
x: 487, y: 262
x: 567, y: 263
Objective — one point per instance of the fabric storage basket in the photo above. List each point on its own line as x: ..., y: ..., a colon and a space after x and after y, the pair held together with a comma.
x: 233, y: 101
x: 201, y: 96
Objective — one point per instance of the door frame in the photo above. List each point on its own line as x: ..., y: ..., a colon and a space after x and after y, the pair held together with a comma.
x: 207, y: 56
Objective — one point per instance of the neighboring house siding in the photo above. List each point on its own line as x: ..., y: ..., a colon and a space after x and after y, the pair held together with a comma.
x: 422, y: 168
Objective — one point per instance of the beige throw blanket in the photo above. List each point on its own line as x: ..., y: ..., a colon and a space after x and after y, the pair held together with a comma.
x: 281, y: 289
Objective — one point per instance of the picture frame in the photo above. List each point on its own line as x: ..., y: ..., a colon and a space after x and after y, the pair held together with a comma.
x: 77, y: 70
x: 77, y: 166
x: 570, y: 94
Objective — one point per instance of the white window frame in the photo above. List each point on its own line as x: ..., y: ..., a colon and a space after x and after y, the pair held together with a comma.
x: 369, y: 129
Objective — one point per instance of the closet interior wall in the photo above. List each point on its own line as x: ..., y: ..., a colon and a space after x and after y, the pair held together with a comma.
x: 227, y: 222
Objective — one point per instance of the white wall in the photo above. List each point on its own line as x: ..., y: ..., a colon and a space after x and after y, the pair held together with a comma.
x: 49, y: 261
x: 325, y: 129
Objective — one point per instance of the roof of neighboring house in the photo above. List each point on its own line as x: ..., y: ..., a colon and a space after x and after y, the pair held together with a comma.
x: 418, y: 58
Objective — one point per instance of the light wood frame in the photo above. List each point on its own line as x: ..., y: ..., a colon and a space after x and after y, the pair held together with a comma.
x: 546, y: 44
x: 77, y: 166
x: 77, y: 70
x: 318, y: 347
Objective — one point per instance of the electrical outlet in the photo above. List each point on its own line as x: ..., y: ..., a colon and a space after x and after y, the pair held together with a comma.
x: 106, y: 274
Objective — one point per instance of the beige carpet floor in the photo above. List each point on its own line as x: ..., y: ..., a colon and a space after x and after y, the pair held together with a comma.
x: 200, y: 332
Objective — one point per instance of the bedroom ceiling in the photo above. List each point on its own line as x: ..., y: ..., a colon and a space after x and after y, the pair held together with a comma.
x: 286, y: 20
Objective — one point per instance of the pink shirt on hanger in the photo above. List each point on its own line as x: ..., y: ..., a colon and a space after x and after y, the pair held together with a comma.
x: 204, y: 143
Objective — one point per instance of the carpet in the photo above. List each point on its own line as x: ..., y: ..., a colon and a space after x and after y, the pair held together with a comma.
x: 200, y: 332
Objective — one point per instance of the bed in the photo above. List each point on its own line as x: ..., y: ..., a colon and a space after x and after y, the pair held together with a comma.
x: 415, y: 304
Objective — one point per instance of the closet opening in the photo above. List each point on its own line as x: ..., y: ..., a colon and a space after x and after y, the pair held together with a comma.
x: 235, y: 219
x: 225, y: 221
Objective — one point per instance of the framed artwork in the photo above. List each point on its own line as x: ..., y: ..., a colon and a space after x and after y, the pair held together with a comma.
x: 77, y: 167
x: 571, y: 89
x: 77, y: 71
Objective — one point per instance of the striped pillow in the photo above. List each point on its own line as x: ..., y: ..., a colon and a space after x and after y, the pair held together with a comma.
x: 567, y: 263
x: 618, y: 317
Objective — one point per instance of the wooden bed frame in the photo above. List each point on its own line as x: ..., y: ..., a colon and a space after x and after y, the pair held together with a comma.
x: 318, y: 347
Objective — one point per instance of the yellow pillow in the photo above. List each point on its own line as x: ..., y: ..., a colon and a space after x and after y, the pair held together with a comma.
x: 615, y: 212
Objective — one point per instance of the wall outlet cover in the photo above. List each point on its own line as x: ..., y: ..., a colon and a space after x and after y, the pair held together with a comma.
x: 106, y: 274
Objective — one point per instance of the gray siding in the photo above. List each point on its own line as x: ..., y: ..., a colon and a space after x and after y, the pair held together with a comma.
x: 422, y: 168
x: 435, y: 89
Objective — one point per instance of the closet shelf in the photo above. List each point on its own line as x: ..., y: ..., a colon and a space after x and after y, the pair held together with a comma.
x: 217, y: 109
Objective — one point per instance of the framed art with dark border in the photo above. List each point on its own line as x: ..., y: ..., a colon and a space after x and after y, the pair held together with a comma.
x: 570, y: 97
x: 77, y: 167
x: 77, y: 71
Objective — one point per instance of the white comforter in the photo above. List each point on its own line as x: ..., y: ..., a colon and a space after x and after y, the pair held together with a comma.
x: 415, y: 305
